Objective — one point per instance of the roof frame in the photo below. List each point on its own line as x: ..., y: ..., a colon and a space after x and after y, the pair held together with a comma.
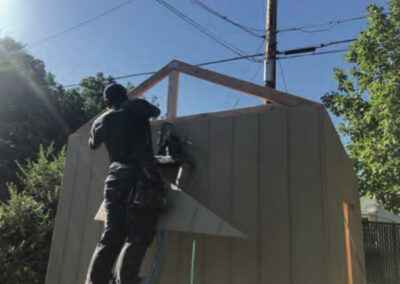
x: 175, y: 67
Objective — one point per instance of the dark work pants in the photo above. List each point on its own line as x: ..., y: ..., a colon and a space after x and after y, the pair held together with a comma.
x: 128, y: 233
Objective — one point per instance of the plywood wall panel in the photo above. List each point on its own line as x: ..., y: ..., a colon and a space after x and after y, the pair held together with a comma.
x: 170, y: 269
x: 95, y: 198
x: 274, y: 198
x: 76, y: 224
x: 305, y: 197
x: 197, y: 131
x: 63, y: 212
x: 333, y: 166
x: 323, y: 172
x: 351, y: 195
x: 278, y: 174
x: 185, y: 241
x: 217, y: 249
x: 245, y: 260
x: 198, y: 187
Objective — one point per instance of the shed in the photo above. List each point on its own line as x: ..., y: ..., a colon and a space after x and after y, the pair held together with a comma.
x: 373, y: 211
x: 277, y: 173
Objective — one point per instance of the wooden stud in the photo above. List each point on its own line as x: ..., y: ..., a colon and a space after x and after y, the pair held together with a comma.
x: 347, y: 236
x: 173, y: 85
x: 150, y: 82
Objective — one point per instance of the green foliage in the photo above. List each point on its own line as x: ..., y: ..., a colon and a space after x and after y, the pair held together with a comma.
x: 41, y: 178
x: 78, y: 105
x: 368, y: 101
x: 27, y: 219
x: 36, y: 110
x: 28, y: 117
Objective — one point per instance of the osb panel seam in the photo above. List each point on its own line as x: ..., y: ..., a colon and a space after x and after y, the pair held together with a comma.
x: 289, y: 192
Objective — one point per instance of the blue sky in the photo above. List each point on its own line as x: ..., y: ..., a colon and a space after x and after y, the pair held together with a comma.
x: 143, y: 36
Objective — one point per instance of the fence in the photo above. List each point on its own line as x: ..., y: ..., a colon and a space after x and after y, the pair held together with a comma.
x: 382, y: 252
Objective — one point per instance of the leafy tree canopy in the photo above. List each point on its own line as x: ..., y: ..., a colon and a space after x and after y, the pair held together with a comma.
x: 36, y: 110
x: 368, y: 101
x: 28, y: 117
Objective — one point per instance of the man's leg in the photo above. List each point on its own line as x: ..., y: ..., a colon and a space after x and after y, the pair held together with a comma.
x: 111, y: 242
x: 141, y: 230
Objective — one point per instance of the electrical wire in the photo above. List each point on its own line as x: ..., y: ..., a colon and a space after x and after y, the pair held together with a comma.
x: 258, y: 51
x: 231, y: 59
x: 329, y: 25
x: 336, y: 42
x: 313, y: 48
x: 226, y: 60
x: 217, y: 14
x: 200, y: 28
x: 283, y: 75
x: 313, y: 54
x: 79, y: 25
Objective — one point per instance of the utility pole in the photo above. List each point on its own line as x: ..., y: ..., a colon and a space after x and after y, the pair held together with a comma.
x: 270, y: 43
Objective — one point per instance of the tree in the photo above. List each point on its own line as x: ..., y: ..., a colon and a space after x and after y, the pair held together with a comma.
x: 78, y: 105
x: 36, y: 110
x: 368, y: 101
x: 28, y: 117
x: 27, y: 219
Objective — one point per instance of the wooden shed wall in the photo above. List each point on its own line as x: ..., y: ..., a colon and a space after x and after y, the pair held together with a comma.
x: 277, y: 174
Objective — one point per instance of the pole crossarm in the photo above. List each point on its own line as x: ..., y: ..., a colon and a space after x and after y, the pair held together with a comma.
x: 266, y: 93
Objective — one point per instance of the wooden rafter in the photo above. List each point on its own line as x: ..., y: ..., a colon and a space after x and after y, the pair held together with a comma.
x: 150, y: 82
x: 246, y: 87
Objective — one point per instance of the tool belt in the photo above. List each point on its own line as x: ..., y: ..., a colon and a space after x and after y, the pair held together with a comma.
x: 149, y: 192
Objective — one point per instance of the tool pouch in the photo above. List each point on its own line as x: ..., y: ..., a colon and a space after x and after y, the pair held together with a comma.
x: 149, y: 192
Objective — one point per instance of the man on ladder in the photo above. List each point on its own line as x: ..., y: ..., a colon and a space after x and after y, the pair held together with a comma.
x: 133, y: 192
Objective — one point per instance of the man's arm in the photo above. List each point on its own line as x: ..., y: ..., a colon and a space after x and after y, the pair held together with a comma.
x: 143, y: 108
x: 97, y: 133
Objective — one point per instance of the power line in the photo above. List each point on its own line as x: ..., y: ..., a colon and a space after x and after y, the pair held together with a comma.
x: 328, y: 25
x: 313, y: 48
x: 313, y: 54
x: 224, y: 61
x: 201, y: 28
x: 230, y: 59
x: 79, y: 25
x: 336, y: 42
x: 258, y: 50
x: 226, y: 19
x: 283, y: 75
x: 199, y: 65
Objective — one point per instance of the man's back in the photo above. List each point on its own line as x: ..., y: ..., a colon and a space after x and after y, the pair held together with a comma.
x: 125, y: 131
